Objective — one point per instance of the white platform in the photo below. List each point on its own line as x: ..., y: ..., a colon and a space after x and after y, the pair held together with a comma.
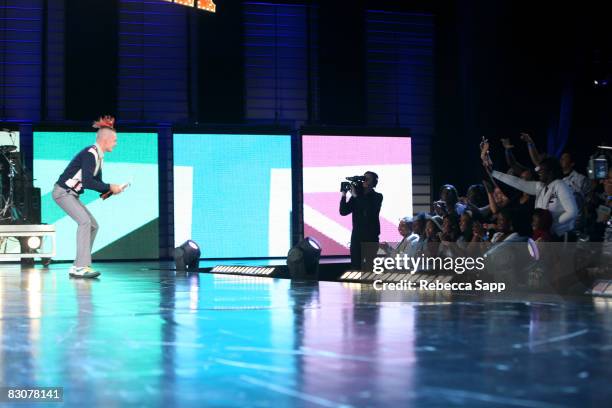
x: 30, y: 230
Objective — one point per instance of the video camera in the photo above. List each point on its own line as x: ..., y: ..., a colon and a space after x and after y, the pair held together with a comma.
x: 354, y: 181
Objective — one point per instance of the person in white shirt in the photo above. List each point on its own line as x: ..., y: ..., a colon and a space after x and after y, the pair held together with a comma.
x: 408, y: 236
x: 417, y: 246
x: 579, y: 183
x: 551, y: 194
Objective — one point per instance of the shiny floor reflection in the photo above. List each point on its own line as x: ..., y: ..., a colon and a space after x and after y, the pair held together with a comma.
x: 160, y: 339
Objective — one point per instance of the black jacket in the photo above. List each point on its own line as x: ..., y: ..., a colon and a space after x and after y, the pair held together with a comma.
x: 81, y: 173
x: 366, y: 210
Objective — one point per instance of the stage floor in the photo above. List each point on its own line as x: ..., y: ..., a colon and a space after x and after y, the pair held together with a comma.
x: 156, y: 338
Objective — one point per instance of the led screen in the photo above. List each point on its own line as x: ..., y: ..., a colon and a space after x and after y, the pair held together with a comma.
x: 328, y: 160
x: 129, y: 223
x: 232, y: 194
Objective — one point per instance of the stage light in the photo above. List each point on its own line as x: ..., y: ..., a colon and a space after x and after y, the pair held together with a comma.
x: 245, y: 270
x: 303, y: 259
x: 187, y: 256
x: 313, y: 243
x: 601, y: 287
x: 207, y: 5
x: 601, y: 82
x: 34, y: 242
x: 369, y: 277
x: 532, y: 246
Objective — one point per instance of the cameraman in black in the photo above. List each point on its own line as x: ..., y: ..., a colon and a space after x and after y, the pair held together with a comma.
x: 364, y: 204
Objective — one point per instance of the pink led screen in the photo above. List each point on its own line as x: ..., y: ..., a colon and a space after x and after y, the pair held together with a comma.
x: 328, y: 159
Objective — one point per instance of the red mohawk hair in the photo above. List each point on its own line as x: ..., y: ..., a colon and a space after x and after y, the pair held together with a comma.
x: 104, y: 122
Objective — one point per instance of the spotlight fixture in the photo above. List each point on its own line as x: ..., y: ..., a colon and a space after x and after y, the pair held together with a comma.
x: 34, y: 243
x: 303, y: 259
x: 187, y: 256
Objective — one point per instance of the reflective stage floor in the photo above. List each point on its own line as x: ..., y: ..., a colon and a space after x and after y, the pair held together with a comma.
x: 156, y: 338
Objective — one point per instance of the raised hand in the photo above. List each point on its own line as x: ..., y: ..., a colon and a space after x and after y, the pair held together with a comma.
x: 484, y: 153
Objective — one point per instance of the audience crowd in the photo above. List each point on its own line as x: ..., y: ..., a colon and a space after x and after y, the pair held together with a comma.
x: 549, y: 200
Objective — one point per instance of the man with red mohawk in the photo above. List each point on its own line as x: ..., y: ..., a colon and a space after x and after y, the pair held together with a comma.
x: 85, y: 172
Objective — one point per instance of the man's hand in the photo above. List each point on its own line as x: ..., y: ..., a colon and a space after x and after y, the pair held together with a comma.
x: 115, y: 189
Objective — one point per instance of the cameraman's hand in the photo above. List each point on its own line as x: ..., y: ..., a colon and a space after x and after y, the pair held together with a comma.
x: 353, y: 191
x: 343, y: 193
x: 115, y: 189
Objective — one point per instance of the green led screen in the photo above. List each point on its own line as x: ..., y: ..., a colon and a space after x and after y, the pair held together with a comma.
x: 129, y: 223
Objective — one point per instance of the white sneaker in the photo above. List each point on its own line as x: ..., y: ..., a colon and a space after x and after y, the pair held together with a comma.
x: 83, y: 272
